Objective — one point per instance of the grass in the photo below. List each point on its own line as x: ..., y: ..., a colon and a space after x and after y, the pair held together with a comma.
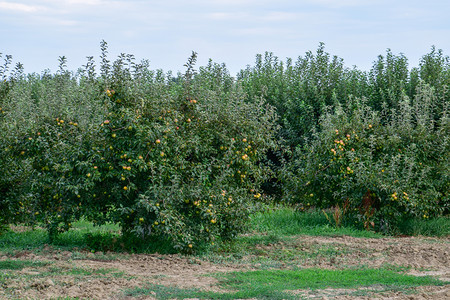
x: 439, y: 227
x: 37, y: 238
x: 274, y: 240
x: 13, y: 264
x: 10, y: 264
x: 274, y: 248
x: 286, y: 221
x: 269, y: 227
x: 279, y: 284
x: 321, y: 278
x: 10, y: 240
x: 83, y: 236
x: 85, y: 272
x: 275, y: 251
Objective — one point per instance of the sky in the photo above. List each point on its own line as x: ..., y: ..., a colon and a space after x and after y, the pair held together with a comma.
x: 37, y: 32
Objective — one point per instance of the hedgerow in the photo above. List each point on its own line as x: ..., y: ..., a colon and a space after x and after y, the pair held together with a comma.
x: 378, y: 167
x: 188, y: 157
x: 180, y: 162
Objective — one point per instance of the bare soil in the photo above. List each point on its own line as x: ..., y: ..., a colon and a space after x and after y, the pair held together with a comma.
x: 92, y: 276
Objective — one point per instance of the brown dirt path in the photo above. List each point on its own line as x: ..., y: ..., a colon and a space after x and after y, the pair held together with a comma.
x: 93, y: 278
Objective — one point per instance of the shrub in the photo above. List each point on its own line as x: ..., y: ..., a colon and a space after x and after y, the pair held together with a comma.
x: 161, y: 156
x: 182, y: 166
x: 383, y: 165
x: 185, y: 158
x: 299, y: 90
x: 49, y: 124
x: 14, y: 173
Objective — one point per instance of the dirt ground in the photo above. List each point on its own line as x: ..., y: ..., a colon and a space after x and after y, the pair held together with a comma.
x: 99, y: 277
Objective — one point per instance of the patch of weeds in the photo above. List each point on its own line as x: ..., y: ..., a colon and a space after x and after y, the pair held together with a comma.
x: 98, y: 256
x: 244, y: 243
x: 286, y: 221
x: 113, y: 242
x: 266, y: 252
x: 121, y: 274
x: 282, y: 284
x: 4, y: 227
x: 90, y: 272
x: 69, y: 240
x: 435, y: 241
x: 234, y: 252
x: 80, y: 274
x: 85, y: 234
x: 280, y: 280
x: 103, y: 241
x: 11, y: 264
x: 85, y: 272
x: 12, y: 241
x: 438, y: 227
x: 166, y: 292
x: 396, y: 268
x: 37, y: 238
x: 303, y: 252
x: 170, y: 292
x: 4, y: 277
x: 85, y: 226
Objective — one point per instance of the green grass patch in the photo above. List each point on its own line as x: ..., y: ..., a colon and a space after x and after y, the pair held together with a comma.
x: 167, y: 292
x: 271, y: 227
x: 439, y: 227
x: 113, y: 241
x: 37, y: 238
x: 83, y: 235
x: 272, y: 251
x: 83, y: 272
x: 320, y: 279
x: 11, y: 264
x: 274, y: 240
x: 277, y: 284
x: 10, y: 241
x: 162, y: 292
x: 286, y: 221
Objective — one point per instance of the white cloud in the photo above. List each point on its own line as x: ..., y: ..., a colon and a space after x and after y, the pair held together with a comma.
x: 271, y: 16
x: 230, y: 30
x: 233, y: 2
x: 19, y: 7
x: 74, y: 2
x: 263, y: 31
x: 343, y: 3
x: 85, y: 2
x: 61, y: 13
x: 225, y: 16
x: 281, y: 16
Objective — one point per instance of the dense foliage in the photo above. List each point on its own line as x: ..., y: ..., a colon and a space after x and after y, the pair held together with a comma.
x: 371, y: 145
x: 161, y: 156
x: 302, y: 91
x: 379, y: 167
x: 185, y: 158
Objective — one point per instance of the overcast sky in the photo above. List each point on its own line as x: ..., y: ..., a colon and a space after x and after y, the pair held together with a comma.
x: 37, y: 32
